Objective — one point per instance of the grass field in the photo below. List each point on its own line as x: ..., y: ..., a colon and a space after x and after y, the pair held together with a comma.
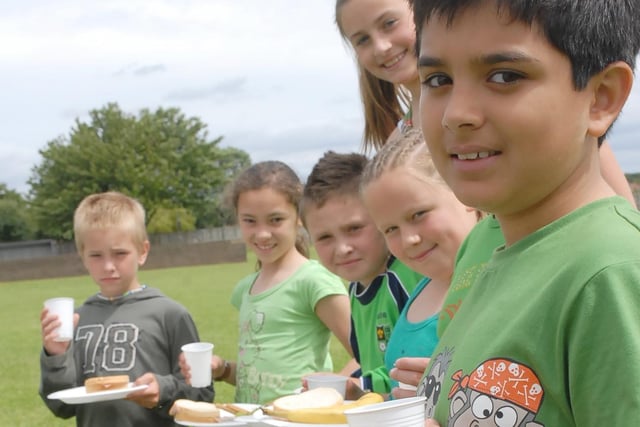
x: 204, y: 290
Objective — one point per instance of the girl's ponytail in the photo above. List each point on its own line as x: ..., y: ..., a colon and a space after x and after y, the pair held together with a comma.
x: 383, y: 104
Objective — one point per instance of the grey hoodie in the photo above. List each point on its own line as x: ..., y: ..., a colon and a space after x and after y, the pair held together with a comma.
x: 138, y: 333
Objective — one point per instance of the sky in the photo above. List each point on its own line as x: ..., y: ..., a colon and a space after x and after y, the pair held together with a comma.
x: 273, y: 78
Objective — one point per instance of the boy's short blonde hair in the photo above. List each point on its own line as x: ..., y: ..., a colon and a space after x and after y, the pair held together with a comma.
x: 109, y: 210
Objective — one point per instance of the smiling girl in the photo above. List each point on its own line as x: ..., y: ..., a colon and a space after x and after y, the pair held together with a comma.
x: 423, y: 224
x: 290, y: 306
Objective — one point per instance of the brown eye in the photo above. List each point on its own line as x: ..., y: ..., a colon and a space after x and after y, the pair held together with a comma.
x: 505, y: 77
x: 437, y: 80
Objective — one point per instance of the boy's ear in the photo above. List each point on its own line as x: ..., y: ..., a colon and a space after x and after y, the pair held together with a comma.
x: 611, y: 87
x: 142, y: 257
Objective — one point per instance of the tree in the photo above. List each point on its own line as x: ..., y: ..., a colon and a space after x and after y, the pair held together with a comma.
x: 14, y: 216
x: 162, y: 158
x: 169, y: 220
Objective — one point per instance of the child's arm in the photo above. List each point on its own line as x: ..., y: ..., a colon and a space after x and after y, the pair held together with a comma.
x: 613, y: 174
x: 57, y: 367
x: 408, y: 370
x: 335, y: 312
x: 350, y: 367
x: 221, y: 369
x: 163, y: 390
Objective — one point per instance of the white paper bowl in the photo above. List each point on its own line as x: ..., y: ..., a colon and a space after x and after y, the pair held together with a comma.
x: 336, y: 382
x: 409, y: 412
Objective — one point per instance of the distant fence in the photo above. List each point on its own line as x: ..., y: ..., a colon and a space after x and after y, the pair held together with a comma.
x: 197, y: 236
x: 47, y: 258
x: 33, y: 249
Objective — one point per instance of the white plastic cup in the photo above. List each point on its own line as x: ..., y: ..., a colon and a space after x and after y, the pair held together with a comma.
x: 336, y: 382
x: 63, y: 308
x: 408, y: 412
x: 198, y: 356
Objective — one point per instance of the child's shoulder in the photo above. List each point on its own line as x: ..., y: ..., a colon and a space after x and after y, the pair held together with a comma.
x: 607, y: 230
x: 612, y: 220
x: 312, y: 267
x: 312, y: 273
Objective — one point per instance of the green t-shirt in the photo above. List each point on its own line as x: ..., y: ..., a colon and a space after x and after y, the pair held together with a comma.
x: 549, y: 333
x: 472, y: 257
x: 280, y: 338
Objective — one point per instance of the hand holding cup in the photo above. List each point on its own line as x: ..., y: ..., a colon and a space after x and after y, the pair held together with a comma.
x: 57, y: 322
x: 195, y: 363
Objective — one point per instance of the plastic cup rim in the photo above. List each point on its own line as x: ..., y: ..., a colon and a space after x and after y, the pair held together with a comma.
x: 389, y: 404
x: 326, y: 378
x: 52, y: 300
x: 197, y: 347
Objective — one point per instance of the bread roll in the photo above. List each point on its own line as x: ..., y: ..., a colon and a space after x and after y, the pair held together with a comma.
x: 114, y: 382
x: 198, y: 412
x: 321, y: 397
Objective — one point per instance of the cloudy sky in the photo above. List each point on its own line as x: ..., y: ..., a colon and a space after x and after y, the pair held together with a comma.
x: 273, y: 77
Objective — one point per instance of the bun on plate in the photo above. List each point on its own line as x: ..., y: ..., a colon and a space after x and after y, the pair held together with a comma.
x: 322, y: 397
x: 113, y: 382
x: 197, y: 412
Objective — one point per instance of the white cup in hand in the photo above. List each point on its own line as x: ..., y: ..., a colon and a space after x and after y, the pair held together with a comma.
x: 63, y: 308
x: 198, y: 357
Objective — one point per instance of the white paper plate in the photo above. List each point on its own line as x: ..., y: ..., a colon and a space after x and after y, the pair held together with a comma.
x: 220, y: 424
x: 280, y: 423
x: 227, y: 418
x: 78, y: 395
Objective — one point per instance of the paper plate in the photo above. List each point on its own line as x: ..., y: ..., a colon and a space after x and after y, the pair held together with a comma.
x: 79, y: 395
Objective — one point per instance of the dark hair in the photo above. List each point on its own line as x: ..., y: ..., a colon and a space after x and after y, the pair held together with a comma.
x: 383, y: 102
x: 333, y: 175
x: 591, y: 33
x: 277, y: 176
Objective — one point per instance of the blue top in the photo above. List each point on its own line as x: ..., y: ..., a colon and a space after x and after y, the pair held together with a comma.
x: 412, y: 339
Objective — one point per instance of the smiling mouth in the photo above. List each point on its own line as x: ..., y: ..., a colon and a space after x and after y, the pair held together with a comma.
x: 423, y: 255
x: 393, y: 61
x: 265, y: 247
x: 347, y: 263
x: 477, y: 155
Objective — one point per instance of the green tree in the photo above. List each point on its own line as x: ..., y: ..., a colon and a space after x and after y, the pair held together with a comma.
x: 14, y: 216
x: 169, y: 220
x: 162, y: 158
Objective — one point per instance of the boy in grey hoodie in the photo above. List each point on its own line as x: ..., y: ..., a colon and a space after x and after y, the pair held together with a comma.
x: 125, y: 329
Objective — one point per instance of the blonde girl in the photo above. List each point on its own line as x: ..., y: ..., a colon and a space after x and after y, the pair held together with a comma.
x: 423, y: 224
x: 290, y: 306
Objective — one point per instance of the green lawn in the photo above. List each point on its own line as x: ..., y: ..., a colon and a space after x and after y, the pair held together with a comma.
x: 204, y: 290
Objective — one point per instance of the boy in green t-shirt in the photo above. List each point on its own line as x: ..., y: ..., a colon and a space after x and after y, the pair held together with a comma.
x: 350, y: 246
x: 516, y: 98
